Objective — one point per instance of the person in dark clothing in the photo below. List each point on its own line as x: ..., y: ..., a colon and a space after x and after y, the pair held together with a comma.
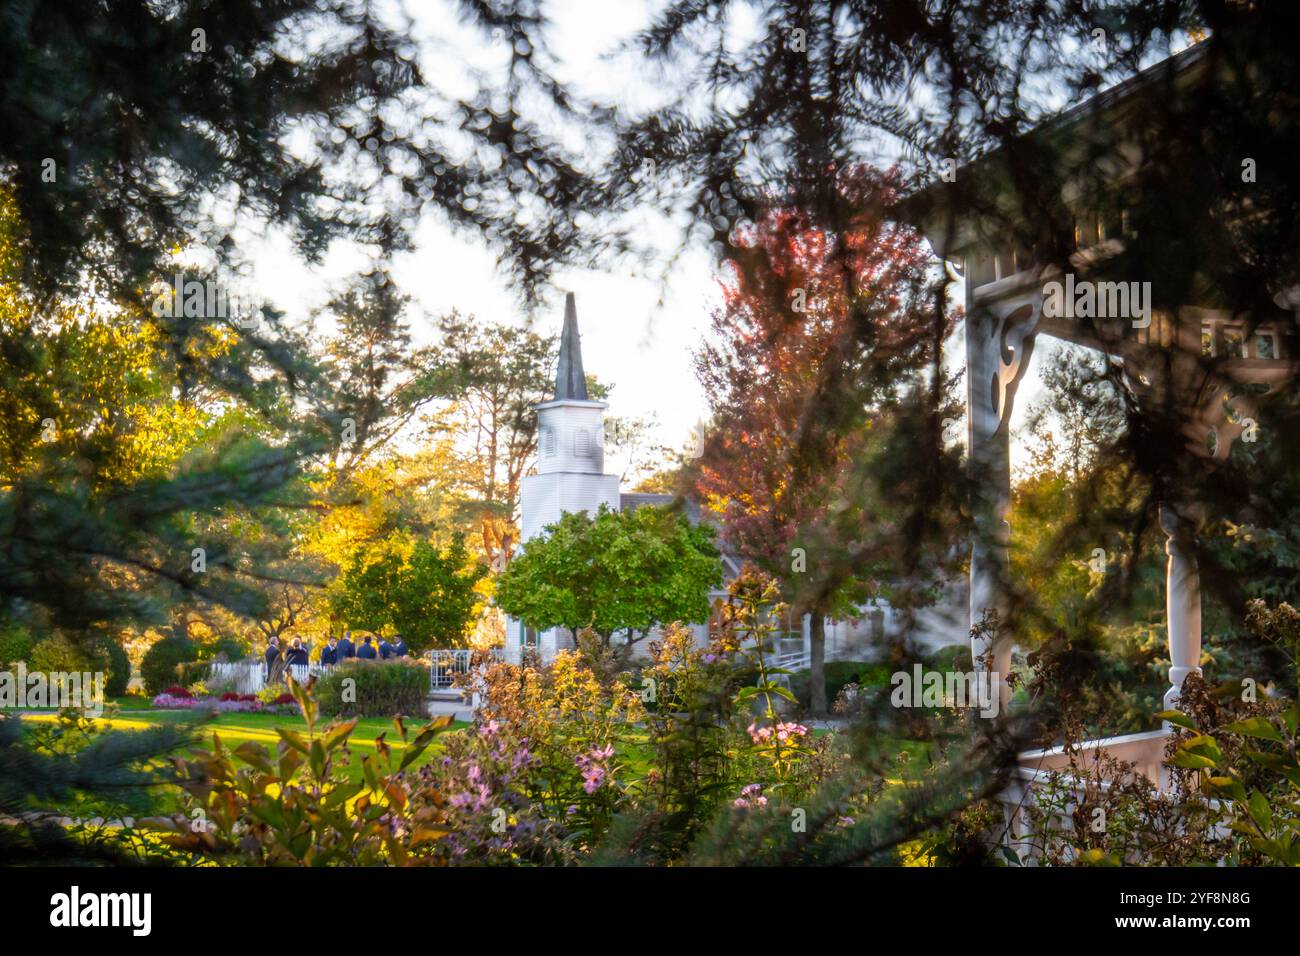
x: 345, y: 647
x: 272, y: 655
x: 296, y: 656
x: 385, y: 649
x: 399, y: 647
x: 366, y: 651
x: 329, y: 654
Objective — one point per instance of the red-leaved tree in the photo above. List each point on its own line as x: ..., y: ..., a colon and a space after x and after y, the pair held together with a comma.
x: 824, y: 332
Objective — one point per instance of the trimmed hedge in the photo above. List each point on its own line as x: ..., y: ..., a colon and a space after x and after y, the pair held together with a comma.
x: 158, y: 669
x: 119, y: 669
x: 381, y: 689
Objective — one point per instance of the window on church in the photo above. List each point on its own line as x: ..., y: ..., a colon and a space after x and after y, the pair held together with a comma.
x: 1233, y: 345
x: 1265, y: 346
x: 548, y: 442
x: 582, y: 443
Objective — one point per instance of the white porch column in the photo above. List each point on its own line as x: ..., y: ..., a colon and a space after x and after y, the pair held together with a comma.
x: 1182, y: 602
x: 999, y: 341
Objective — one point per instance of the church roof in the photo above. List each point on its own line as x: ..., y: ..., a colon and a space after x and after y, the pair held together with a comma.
x: 570, y: 380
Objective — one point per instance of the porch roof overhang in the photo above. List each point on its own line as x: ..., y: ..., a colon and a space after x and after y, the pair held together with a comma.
x: 973, y: 211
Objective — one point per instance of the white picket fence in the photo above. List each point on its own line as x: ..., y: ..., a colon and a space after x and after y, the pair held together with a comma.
x: 249, y: 676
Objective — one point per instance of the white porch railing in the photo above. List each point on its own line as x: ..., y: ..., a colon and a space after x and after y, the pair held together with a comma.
x: 794, y: 661
x: 1144, y: 752
x: 446, y: 663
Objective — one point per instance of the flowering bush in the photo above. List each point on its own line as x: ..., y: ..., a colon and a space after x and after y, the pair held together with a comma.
x: 717, y: 741
x: 564, y: 755
x: 227, y: 703
x: 575, y: 760
x: 480, y: 788
x: 558, y: 731
x: 168, y: 701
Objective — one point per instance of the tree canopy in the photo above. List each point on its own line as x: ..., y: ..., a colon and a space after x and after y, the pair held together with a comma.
x: 428, y: 596
x: 614, y: 572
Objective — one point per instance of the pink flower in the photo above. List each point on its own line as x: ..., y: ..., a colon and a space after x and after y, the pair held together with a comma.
x: 758, y: 734
x: 592, y: 778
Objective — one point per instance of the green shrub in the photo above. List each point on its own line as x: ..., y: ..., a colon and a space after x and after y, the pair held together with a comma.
x: 119, y: 668
x: 158, y: 669
x: 234, y: 649
x: 16, y: 643
x: 839, y: 674
x: 61, y: 654
x: 382, y: 689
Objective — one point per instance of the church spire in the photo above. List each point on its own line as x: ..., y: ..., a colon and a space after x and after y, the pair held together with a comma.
x: 570, y: 380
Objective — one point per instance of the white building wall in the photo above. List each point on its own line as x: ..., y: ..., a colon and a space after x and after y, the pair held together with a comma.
x: 571, y: 437
x: 544, y: 498
x: 570, y: 478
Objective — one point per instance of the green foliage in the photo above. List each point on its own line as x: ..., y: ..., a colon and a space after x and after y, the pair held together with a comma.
x: 59, y: 653
x: 298, y: 807
x: 16, y: 643
x: 73, y: 766
x: 494, y: 373
x: 234, y: 650
x: 1233, y: 788
x: 429, y: 598
x: 839, y: 674
x: 1250, y: 765
x: 158, y: 669
x: 1247, y: 754
x: 619, y: 570
x: 374, y: 689
x: 108, y: 446
x: 119, y: 668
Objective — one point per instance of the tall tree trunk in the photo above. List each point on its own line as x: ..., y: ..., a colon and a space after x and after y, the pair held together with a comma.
x: 817, y: 663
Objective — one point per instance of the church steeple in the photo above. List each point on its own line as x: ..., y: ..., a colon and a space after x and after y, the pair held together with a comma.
x: 570, y: 380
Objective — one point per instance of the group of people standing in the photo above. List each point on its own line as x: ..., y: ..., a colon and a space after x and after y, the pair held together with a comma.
x: 342, y: 649
x: 335, y: 652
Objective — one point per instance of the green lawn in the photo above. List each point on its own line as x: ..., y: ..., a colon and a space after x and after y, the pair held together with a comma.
x: 236, y: 728
x: 133, y: 702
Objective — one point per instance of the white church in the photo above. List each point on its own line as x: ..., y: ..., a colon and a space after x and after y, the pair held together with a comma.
x: 570, y: 477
